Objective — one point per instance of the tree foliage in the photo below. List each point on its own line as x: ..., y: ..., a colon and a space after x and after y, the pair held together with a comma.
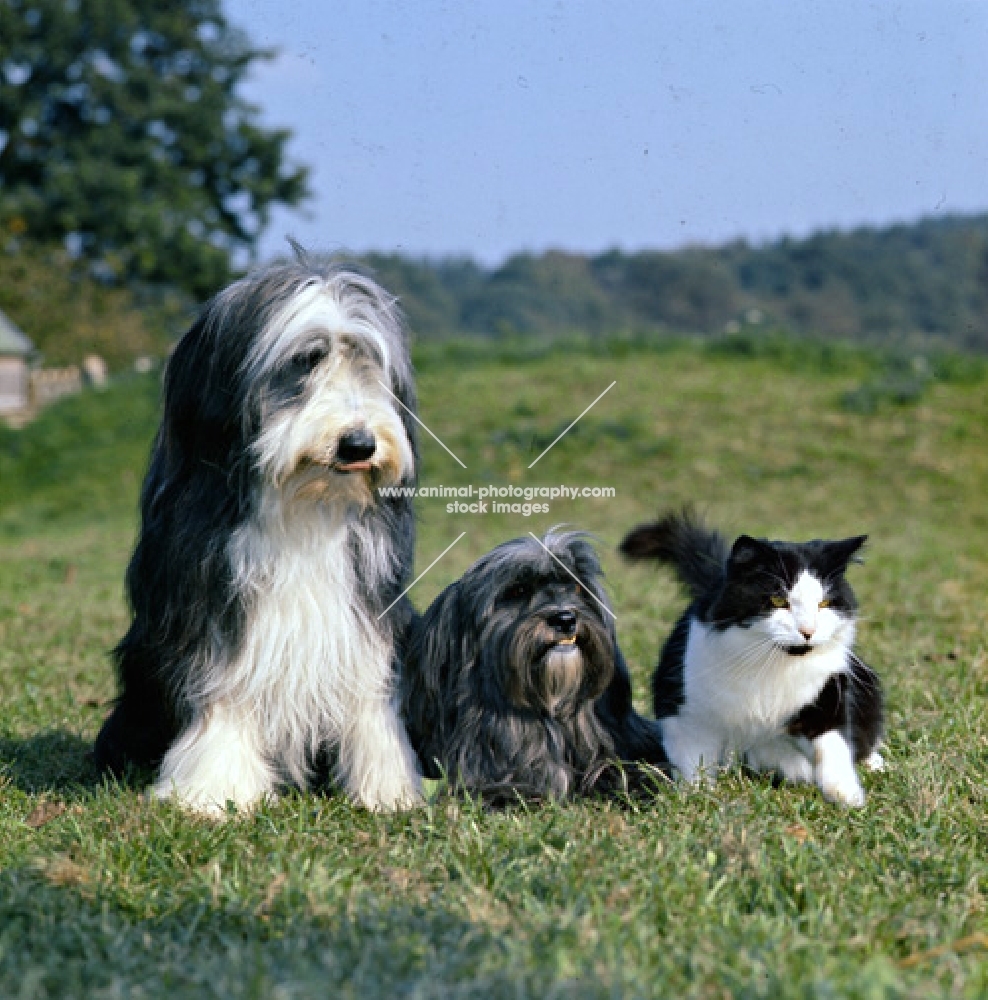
x: 67, y: 314
x: 123, y: 136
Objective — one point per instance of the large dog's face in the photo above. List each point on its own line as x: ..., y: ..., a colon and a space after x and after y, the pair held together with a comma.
x: 331, y: 427
x: 300, y: 379
x: 536, y: 625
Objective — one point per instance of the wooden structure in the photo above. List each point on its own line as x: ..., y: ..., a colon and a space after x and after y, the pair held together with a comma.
x: 16, y: 352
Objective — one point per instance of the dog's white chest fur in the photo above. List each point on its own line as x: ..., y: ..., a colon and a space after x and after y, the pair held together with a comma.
x: 309, y: 650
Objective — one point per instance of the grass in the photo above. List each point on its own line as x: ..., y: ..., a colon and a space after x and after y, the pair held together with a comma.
x: 739, y: 890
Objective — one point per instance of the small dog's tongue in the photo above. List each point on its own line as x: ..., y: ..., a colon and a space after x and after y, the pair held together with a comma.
x: 353, y: 467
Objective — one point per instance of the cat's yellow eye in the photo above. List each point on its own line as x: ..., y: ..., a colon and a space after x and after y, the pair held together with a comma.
x: 825, y: 603
x: 779, y: 602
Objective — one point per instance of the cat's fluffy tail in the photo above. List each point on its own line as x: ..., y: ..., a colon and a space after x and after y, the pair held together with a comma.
x: 681, y: 539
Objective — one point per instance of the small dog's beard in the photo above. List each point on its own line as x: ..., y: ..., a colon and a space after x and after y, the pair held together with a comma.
x: 541, y: 675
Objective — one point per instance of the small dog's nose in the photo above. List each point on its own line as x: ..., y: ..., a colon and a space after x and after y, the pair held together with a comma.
x: 356, y: 446
x: 563, y: 621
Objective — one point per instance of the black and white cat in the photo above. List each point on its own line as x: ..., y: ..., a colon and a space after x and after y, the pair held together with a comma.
x: 760, y: 666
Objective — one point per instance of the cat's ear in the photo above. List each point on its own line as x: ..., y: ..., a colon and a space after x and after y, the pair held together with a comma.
x: 836, y: 555
x: 746, y: 551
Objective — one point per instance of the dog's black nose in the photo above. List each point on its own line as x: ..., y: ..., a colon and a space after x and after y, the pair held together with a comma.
x: 355, y: 446
x: 563, y: 621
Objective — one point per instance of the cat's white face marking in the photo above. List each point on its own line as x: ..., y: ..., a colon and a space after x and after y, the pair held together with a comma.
x: 804, y: 622
x: 804, y: 605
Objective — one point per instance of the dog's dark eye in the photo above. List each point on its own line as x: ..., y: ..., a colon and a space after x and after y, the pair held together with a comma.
x: 517, y: 592
x: 290, y: 380
x: 305, y: 361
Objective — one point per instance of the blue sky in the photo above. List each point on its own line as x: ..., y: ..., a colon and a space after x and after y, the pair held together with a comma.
x: 442, y: 128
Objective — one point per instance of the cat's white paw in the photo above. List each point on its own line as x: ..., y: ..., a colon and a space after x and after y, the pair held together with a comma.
x: 694, y: 757
x: 834, y: 771
x: 874, y: 762
x: 783, y: 757
x: 839, y: 789
x: 691, y: 773
x: 797, y: 770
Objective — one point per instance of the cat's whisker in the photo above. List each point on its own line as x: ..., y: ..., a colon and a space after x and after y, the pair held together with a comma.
x: 754, y: 654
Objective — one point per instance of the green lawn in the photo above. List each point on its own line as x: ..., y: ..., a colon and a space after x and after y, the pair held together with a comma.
x: 739, y: 890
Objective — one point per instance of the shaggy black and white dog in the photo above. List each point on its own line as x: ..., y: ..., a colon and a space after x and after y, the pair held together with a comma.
x: 514, y: 682
x: 259, y: 649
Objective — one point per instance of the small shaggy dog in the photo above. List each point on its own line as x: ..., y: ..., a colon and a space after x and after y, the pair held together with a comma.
x: 259, y: 652
x: 514, y: 683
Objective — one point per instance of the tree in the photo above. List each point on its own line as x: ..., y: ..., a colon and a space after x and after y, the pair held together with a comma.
x: 69, y: 315
x: 123, y: 136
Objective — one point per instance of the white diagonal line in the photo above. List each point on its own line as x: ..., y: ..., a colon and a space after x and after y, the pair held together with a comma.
x: 572, y: 574
x: 578, y: 419
x: 426, y: 429
x: 419, y: 577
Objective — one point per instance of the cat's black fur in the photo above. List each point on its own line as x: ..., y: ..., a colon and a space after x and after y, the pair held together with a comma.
x: 851, y: 703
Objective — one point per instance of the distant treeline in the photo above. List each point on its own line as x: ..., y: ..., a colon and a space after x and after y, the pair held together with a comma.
x: 922, y: 282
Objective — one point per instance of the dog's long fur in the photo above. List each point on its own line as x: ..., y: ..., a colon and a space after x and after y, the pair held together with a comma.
x: 266, y: 553
x: 502, y: 701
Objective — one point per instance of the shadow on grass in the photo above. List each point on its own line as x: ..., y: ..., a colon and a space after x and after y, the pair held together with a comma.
x: 53, y: 761
x: 72, y: 940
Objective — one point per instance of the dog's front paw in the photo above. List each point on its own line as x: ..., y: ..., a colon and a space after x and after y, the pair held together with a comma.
x: 210, y: 803
x: 874, y: 762
x: 377, y: 765
x: 391, y: 795
x: 213, y: 763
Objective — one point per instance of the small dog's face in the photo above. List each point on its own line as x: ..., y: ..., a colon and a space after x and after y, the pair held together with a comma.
x: 331, y: 428
x: 543, y: 637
